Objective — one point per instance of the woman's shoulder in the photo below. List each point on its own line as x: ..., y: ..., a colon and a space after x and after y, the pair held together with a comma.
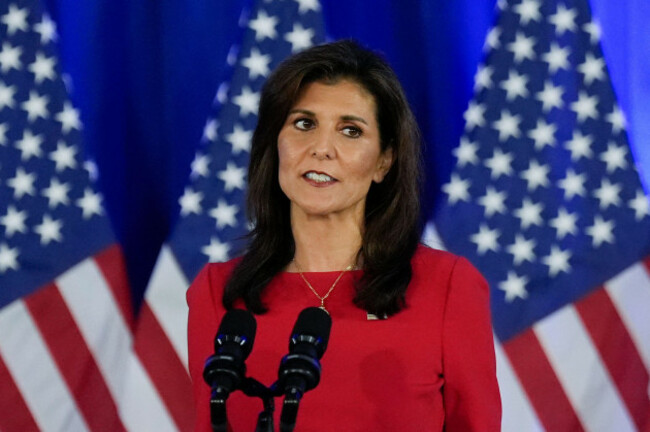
x: 213, y: 276
x: 428, y: 259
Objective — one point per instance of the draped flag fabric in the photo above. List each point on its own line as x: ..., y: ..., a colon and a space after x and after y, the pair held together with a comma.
x: 212, y: 220
x: 545, y: 200
x: 65, y: 314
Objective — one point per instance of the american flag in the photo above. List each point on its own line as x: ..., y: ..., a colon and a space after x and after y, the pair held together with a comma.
x: 212, y: 213
x: 65, y: 314
x: 545, y: 200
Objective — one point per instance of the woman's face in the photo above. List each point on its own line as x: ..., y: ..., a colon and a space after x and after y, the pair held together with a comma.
x: 329, y: 150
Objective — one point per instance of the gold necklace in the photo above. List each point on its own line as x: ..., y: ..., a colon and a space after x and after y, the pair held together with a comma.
x: 322, y: 299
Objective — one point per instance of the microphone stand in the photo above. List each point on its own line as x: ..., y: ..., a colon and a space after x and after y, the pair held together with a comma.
x: 252, y: 387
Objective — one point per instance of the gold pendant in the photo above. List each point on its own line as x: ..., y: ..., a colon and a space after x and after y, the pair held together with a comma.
x: 322, y: 306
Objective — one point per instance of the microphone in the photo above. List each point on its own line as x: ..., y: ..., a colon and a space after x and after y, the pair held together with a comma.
x: 300, y: 369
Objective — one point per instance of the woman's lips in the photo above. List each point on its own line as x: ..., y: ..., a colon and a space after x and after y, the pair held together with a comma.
x: 319, y: 178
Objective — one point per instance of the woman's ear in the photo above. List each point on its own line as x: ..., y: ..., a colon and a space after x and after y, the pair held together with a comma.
x: 383, y: 165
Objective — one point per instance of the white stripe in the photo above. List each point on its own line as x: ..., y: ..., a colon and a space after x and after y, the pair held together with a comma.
x: 166, y: 298
x: 431, y: 238
x: 518, y: 413
x: 630, y: 293
x: 580, y: 371
x: 35, y: 373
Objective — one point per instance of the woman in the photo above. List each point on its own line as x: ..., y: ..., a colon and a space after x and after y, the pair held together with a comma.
x: 333, y: 191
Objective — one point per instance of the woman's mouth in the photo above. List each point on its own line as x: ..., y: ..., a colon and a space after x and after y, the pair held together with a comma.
x: 319, y: 177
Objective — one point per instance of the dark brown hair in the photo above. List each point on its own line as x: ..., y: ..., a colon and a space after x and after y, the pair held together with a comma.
x: 392, y: 214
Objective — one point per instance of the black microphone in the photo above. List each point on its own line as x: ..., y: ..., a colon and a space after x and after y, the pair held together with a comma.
x: 300, y: 369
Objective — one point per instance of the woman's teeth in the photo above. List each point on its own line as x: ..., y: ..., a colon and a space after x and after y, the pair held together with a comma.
x: 320, y: 178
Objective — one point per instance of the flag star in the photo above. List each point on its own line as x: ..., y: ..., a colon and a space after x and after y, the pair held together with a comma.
x: 42, y: 68
x: 90, y: 204
x: 528, y: 10
x: 240, y: 139
x: 514, y: 286
x: 49, y: 230
x: 47, y: 29
x: 616, y: 118
x: 8, y: 258
x: 3, y: 133
x: 585, y: 106
x: 515, y: 85
x: 257, y: 64
x: 493, y: 201
x: 523, y: 48
x: 15, y: 19
x: 69, y: 118
x: 200, y: 166
x: 564, y: 19
x: 550, y: 97
x: 508, y: 125
x: 466, y: 153
x: 247, y: 101
x: 222, y: 94
x: 614, y: 157
x: 522, y: 250
x: 580, y: 146
x: 543, y: 134
x: 7, y: 94
x: 500, y: 163
x: 35, y: 106
x: 210, y: 130
x: 486, y: 239
x: 216, y: 251
x: 529, y: 213
x: 640, y: 205
x: 457, y: 189
x: 601, y: 231
x: 30, y: 145
x: 536, y: 175
x: 22, y: 184
x: 264, y: 26
x: 564, y: 223
x: 190, y: 202
x: 557, y: 58
x: 593, y: 29
x: 224, y: 214
x: 307, y: 5
x: 14, y: 221
x: 593, y: 68
x: 300, y: 38
x: 10, y: 57
x: 64, y: 156
x: 573, y: 184
x: 483, y: 77
x: 492, y: 40
x: 474, y: 115
x: 608, y: 194
x: 557, y: 261
x: 233, y: 177
x: 57, y: 193
x: 91, y: 168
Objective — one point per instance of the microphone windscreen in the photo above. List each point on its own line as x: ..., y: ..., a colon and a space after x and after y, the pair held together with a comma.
x: 239, y: 323
x: 315, y: 322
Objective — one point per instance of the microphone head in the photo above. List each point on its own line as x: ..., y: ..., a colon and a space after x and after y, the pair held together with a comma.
x: 313, y: 325
x: 238, y: 326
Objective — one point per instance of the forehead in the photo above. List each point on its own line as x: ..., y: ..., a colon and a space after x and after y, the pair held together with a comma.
x: 343, y: 95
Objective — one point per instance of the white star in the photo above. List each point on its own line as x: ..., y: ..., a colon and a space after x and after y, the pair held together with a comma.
x: 200, y: 166
x: 508, y: 125
x: 49, y: 230
x: 15, y: 19
x: 69, y: 118
x: 240, y: 139
x: 543, y: 134
x: 557, y: 58
x: 264, y: 26
x: 14, y: 221
x: 514, y: 286
x: 8, y: 258
x: 492, y: 39
x: 90, y: 204
x: 10, y: 57
x: 640, y: 205
x: 580, y: 146
x: 307, y: 5
x: 224, y: 214
x: 90, y: 167
x: 466, y: 153
x: 483, y: 77
x: 523, y: 48
x: 585, y: 106
x: 300, y: 38
x: 493, y: 201
x: 216, y: 251
x: 536, y: 175
x: 57, y: 193
x: 557, y: 261
x: 500, y: 163
x: 614, y: 157
x: 210, y: 130
x: 257, y: 64
x: 616, y: 118
x: 601, y: 231
x: 35, y: 106
x: 474, y: 115
x: 7, y: 94
x: 247, y: 101
x: 30, y: 145
x: 3, y: 133
x: 42, y: 68
x: 573, y: 184
x: 22, y: 184
x: 564, y: 19
x: 190, y: 202
x: 529, y: 213
x: 515, y: 85
x: 593, y: 68
x: 486, y: 239
x: 593, y: 29
x: 233, y: 177
x: 551, y: 96
x: 528, y: 10
x: 457, y: 189
x: 608, y: 194
x: 64, y: 156
x: 522, y: 250
x: 564, y: 223
x: 47, y: 29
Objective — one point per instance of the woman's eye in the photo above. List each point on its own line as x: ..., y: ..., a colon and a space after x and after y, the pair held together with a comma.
x: 303, y: 124
x: 352, y: 132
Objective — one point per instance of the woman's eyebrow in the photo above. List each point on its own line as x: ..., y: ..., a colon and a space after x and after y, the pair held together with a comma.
x: 302, y: 111
x: 354, y: 118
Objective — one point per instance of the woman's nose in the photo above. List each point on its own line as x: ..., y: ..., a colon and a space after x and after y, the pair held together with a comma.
x: 323, y: 148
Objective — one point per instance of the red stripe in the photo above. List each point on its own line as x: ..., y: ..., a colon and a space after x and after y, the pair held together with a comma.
x: 541, y: 384
x: 165, y: 369
x: 74, y: 359
x: 111, y: 263
x: 618, y: 353
x: 646, y: 262
x: 14, y: 413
